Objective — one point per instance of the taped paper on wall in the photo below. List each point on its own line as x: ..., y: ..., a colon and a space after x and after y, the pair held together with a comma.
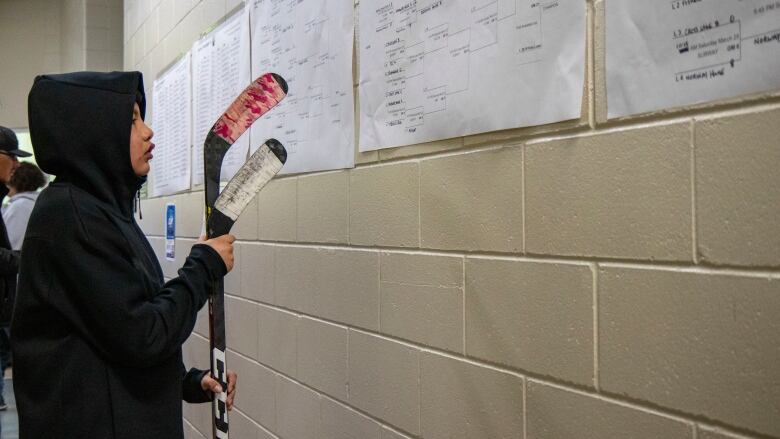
x: 664, y: 54
x: 171, y: 121
x: 220, y: 71
x: 310, y: 45
x: 438, y: 69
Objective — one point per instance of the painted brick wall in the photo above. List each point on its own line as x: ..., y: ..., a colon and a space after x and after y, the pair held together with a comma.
x: 588, y: 279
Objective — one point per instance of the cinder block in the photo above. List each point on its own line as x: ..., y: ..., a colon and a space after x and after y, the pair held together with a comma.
x: 322, y: 357
x: 157, y: 60
x: 158, y: 246
x: 182, y: 248
x: 231, y: 4
x: 138, y: 47
x: 704, y: 344
x: 554, y: 413
x: 420, y: 148
x: 190, y: 214
x: 421, y: 269
x: 257, y: 272
x: 390, y: 434
x: 323, y: 208
x: 153, y: 221
x: 265, y: 434
x: 339, y: 422
x: 624, y: 194
x: 241, y: 426
x: 190, y: 432
x: 97, y: 16
x: 191, y: 26
x: 295, y: 278
x: 202, y: 324
x: 151, y: 34
x: 246, y: 226
x: 278, y: 346
x: 166, y: 17
x: 172, y: 45
x: 738, y: 189
x: 461, y: 400
x: 241, y: 326
x: 533, y: 316
x: 180, y: 9
x: 201, y: 418
x: 384, y: 205
x: 513, y: 134
x: 473, y: 201
x: 384, y: 380
x: 340, y: 285
x: 233, y: 279
x: 256, y: 390
x: 127, y: 56
x: 278, y: 210
x: 211, y: 11
x: 425, y: 314
x: 422, y: 299
x: 713, y: 433
x: 298, y: 410
x: 348, y: 287
x: 197, y: 350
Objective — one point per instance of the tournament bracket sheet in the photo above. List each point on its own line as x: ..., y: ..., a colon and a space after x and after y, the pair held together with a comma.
x: 436, y: 69
x: 663, y: 54
x: 172, y: 121
x: 308, y: 43
x: 220, y: 71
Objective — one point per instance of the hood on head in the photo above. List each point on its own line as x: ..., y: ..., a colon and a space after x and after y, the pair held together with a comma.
x: 80, y: 130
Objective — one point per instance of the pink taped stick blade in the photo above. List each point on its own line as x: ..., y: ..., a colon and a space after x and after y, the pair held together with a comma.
x: 257, y: 99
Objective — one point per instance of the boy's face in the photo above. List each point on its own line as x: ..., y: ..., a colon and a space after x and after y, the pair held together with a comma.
x: 8, y: 164
x: 141, y: 145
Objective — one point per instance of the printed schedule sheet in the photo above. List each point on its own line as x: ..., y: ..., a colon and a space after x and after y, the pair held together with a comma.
x: 664, y: 54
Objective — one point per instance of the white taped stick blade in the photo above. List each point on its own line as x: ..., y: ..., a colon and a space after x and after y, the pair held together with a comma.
x: 253, y: 175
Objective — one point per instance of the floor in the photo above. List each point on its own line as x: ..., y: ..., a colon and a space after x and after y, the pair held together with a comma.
x: 9, y: 422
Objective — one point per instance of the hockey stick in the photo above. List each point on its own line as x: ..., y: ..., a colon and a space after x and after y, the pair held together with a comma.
x: 253, y: 175
x: 257, y: 99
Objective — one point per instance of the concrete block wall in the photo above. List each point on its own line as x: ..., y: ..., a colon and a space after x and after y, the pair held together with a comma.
x: 40, y: 37
x: 587, y: 279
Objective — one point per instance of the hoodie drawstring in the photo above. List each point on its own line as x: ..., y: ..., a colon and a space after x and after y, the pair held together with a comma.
x: 137, y: 204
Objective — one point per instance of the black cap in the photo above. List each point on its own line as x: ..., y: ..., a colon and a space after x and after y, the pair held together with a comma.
x: 9, y: 144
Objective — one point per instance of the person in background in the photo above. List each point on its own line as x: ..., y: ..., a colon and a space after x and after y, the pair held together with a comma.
x: 24, y: 186
x: 9, y: 259
x: 97, y: 333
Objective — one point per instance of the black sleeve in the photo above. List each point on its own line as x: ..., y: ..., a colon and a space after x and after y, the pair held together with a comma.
x: 9, y: 262
x: 192, y: 391
x: 96, y: 284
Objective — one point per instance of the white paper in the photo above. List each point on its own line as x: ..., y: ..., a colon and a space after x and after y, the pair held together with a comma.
x: 171, y: 123
x: 663, y: 54
x: 310, y: 45
x: 220, y: 73
x: 437, y: 69
x: 203, y: 116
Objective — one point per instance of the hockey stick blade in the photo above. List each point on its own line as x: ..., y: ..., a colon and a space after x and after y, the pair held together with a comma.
x: 257, y: 99
x: 242, y: 188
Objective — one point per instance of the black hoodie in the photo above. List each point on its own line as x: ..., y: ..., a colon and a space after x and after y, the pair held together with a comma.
x: 97, y: 336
